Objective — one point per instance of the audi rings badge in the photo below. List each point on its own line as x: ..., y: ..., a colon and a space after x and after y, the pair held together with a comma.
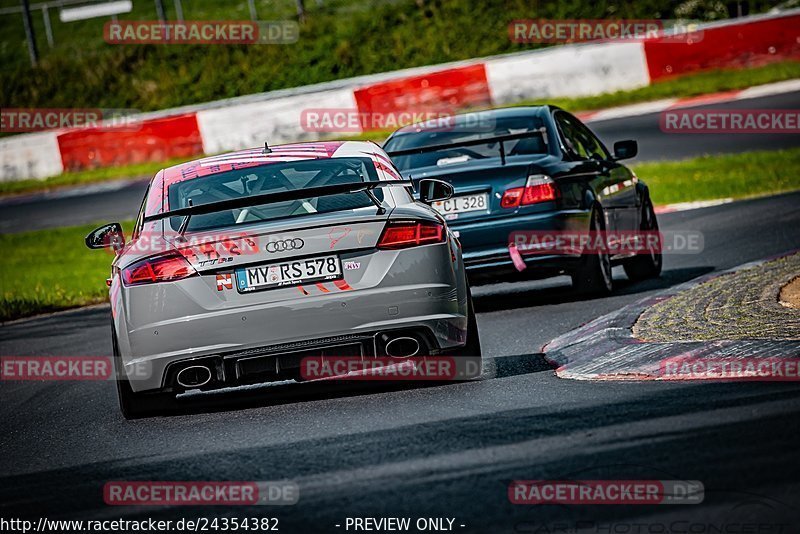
x: 285, y: 245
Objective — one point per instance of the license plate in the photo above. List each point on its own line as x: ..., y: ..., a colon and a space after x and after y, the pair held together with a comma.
x: 462, y: 204
x: 288, y: 273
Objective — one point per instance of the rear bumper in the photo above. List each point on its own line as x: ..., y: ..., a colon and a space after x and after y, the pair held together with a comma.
x: 486, y: 252
x: 443, y: 330
x: 297, y: 360
x: 160, y: 325
x: 501, y: 268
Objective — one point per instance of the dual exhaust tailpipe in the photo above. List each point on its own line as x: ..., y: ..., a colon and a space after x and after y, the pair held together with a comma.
x: 194, y: 376
x: 401, y: 346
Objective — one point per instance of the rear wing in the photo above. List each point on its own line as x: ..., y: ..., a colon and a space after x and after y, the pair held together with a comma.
x: 500, y: 139
x: 280, y: 196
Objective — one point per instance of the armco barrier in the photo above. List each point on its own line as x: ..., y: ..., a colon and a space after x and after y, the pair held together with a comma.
x: 455, y: 88
x: 277, y: 121
x: 32, y: 155
x: 153, y: 140
x: 726, y: 45
x: 569, y: 70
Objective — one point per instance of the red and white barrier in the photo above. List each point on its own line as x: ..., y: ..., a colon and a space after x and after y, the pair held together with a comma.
x: 567, y: 71
x: 729, y: 44
x: 454, y: 88
x: 158, y: 139
x: 564, y: 71
x: 33, y: 155
x: 277, y: 121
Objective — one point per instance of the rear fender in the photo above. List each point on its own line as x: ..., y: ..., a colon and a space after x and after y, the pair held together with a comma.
x: 642, y: 193
x: 590, y: 199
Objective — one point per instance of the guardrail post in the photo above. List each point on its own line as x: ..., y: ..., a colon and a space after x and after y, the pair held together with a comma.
x: 48, y: 30
x: 33, y: 52
x: 160, y: 11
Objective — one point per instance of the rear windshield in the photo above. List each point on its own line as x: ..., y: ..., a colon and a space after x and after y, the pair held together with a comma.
x: 273, y: 178
x: 450, y: 156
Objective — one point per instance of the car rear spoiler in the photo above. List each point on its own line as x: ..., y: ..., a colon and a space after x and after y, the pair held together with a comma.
x: 472, y: 142
x: 280, y: 196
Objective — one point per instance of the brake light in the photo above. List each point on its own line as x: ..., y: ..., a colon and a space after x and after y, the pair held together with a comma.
x: 411, y: 234
x: 512, y: 197
x: 538, y: 188
x: 166, y: 268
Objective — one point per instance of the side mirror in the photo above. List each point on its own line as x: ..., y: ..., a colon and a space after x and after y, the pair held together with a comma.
x: 432, y: 190
x: 625, y: 149
x: 107, y: 236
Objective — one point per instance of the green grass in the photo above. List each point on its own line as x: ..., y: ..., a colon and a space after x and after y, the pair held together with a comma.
x: 49, y: 270
x: 52, y: 269
x: 729, y: 176
x: 338, y: 39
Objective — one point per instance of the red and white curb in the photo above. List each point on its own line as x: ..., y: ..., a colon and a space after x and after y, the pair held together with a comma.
x: 605, y: 348
x: 657, y: 106
x: 695, y: 205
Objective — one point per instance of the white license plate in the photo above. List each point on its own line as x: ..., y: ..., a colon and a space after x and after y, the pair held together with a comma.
x: 462, y: 204
x: 288, y: 273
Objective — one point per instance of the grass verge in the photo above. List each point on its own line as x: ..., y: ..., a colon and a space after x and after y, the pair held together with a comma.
x: 685, y: 86
x: 337, y: 39
x: 727, y: 176
x: 52, y: 270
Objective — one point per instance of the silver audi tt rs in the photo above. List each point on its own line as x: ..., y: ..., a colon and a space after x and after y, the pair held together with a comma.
x: 241, y: 266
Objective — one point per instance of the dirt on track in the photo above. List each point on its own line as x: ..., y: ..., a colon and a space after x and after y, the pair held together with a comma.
x: 761, y: 302
x: 790, y: 294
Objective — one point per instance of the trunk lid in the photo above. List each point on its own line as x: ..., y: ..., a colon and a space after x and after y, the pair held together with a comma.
x: 276, y: 241
x: 474, y: 182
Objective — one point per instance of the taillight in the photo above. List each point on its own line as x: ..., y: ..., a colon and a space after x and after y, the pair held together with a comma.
x: 538, y: 188
x: 164, y: 268
x: 512, y: 197
x: 411, y: 234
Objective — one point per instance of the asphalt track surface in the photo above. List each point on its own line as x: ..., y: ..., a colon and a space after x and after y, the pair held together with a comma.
x: 120, y: 200
x: 444, y: 451
x: 435, y: 451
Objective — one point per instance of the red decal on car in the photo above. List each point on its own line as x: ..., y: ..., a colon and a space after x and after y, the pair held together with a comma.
x: 323, y: 288
x: 337, y: 234
x: 341, y: 284
x: 224, y: 281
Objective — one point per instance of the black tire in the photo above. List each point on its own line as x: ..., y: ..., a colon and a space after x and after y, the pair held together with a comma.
x: 593, y: 275
x: 136, y: 405
x: 472, y: 348
x: 644, y: 266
